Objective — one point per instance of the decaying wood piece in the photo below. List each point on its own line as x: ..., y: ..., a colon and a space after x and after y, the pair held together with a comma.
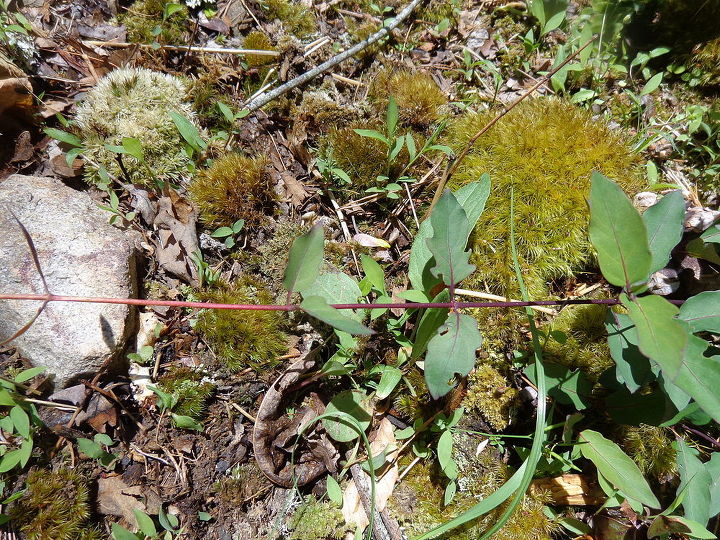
x: 275, y: 432
x: 571, y: 490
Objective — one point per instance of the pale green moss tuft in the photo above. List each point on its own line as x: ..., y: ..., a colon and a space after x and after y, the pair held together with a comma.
x: 295, y: 17
x: 144, y: 16
x: 317, y: 520
x: 651, y: 447
x: 135, y: 102
x: 189, y: 389
x: 491, y: 395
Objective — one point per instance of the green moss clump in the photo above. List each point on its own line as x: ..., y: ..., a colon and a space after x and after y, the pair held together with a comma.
x: 651, y: 447
x: 258, y: 41
x: 297, y: 19
x: 545, y: 150
x: 242, y: 338
x: 234, y: 187
x: 586, y: 345
x: 317, y: 520
x: 54, y: 505
x: 417, y: 502
x: 417, y: 96
x: 245, y: 481
x: 134, y: 102
x: 324, y: 111
x: 706, y: 61
x: 362, y: 158
x: 144, y: 16
x: 491, y: 395
x: 190, y: 391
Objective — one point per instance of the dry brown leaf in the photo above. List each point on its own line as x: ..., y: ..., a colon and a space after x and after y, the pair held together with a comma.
x: 294, y: 189
x: 116, y: 498
x: 353, y: 511
x: 176, y: 236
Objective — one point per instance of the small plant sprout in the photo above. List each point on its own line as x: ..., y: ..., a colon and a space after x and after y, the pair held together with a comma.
x: 229, y: 233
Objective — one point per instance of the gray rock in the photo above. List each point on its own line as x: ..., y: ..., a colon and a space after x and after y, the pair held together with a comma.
x: 80, y: 255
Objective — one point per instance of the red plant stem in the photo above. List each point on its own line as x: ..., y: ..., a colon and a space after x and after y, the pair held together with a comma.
x: 294, y: 307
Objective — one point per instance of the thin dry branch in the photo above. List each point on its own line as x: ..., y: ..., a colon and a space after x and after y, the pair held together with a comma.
x: 257, y: 102
x: 186, y: 48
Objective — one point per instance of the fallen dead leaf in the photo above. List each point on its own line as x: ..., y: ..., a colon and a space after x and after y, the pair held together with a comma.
x: 176, y: 236
x: 353, y: 511
x: 116, y: 498
x: 294, y: 189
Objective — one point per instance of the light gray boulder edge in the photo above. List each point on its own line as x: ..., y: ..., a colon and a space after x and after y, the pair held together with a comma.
x: 80, y: 255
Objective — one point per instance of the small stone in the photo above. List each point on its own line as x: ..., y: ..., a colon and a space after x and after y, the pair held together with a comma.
x: 698, y: 219
x: 646, y: 199
x: 664, y: 282
x: 80, y: 255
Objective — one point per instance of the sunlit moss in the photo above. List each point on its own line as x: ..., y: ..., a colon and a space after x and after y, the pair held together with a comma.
x: 491, y: 395
x: 188, y: 388
x: 242, y: 339
x: 651, y: 447
x: 543, y: 151
x: 317, y: 520
x: 134, y: 103
x: 258, y: 41
x: 234, y: 187
x: 417, y: 96
x: 296, y: 18
x: 145, y: 16
x: 54, y: 505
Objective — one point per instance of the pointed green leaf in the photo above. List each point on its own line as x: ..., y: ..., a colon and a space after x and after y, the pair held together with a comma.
x: 354, y: 403
x: 616, y: 467
x: 306, y: 255
x: 713, y: 467
x: 373, y: 134
x: 566, y: 386
x: 392, y: 115
x: 389, y: 379
x: 337, y: 288
x: 661, y: 337
x: 317, y: 307
x: 121, y: 533
x: 711, y: 235
x: 449, y: 241
x: 696, y: 478
x: 451, y: 351
x: 632, y: 368
x: 133, y: 147
x: 21, y: 421
x: 63, y: 136
x: 374, y: 272
x: 664, y: 222
x: 662, y: 526
x: 186, y: 422
x: 28, y: 374
x: 618, y: 234
x: 334, y: 491
x: 699, y: 377
x: 188, y: 131
x: 702, y: 312
x: 90, y: 448
x: 431, y: 320
x: 145, y: 523
x: 472, y: 198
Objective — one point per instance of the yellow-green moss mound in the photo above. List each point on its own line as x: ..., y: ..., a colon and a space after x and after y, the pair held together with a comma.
x: 234, y: 187
x: 545, y: 150
x: 242, y: 339
x: 144, y: 17
x: 54, y: 505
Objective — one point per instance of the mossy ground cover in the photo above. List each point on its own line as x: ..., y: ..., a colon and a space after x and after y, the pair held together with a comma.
x: 159, y: 135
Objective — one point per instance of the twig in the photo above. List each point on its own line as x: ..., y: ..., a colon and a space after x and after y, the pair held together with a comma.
x: 242, y: 411
x: 488, y: 296
x: 256, y: 103
x: 453, y: 165
x: 186, y: 48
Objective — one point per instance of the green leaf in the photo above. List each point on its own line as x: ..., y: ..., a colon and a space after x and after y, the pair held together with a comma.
x: 616, y: 467
x: 449, y: 240
x: 10, y: 460
x: 21, y: 421
x: 222, y: 232
x: 336, y: 288
x: 652, y: 84
x: 392, y: 115
x: 186, y: 422
x: 28, y: 374
x: 661, y: 337
x: 410, y: 143
x: 388, y: 381
x: 133, y: 147
x: 342, y: 175
x: 6, y: 400
x: 472, y: 198
x: 699, y: 377
x: 317, y: 307
x: 451, y: 351
x: 664, y: 223
x: 444, y: 451
x: 145, y: 523
x: 204, y: 516
x: 711, y: 235
x: 566, y: 386
x: 333, y: 490
x: 238, y: 226
x: 696, y: 478
x: 450, y: 491
x: 702, y: 312
x: 25, y: 452
x: 713, y: 467
x: 226, y: 112
x: 188, y: 131
x: 374, y: 272
x: 618, y: 234
x: 373, y: 134
x: 121, y: 533
x: 90, y: 448
x: 306, y: 255
x: 354, y: 403
x: 63, y: 136
x: 431, y: 320
x: 632, y: 368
